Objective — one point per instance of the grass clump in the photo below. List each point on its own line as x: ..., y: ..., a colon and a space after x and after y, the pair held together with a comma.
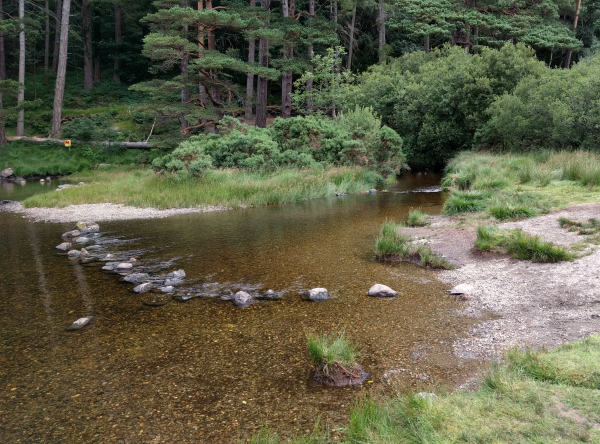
x: 592, y: 226
x: 467, y: 202
x: 417, y: 218
x: 519, y: 245
x: 334, y: 359
x: 393, y: 246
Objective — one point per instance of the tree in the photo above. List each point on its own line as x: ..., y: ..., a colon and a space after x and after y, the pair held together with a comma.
x: 21, y: 95
x: 88, y: 60
x: 59, y: 89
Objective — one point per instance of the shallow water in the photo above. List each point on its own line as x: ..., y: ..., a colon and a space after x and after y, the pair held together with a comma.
x: 206, y: 370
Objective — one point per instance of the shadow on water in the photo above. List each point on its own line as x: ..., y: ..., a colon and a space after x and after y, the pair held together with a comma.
x: 206, y: 370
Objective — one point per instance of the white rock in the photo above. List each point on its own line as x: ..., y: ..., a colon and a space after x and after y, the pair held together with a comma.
x: 124, y: 266
x: 318, y: 294
x: 64, y: 246
x: 243, y: 299
x: 80, y: 323
x: 382, y: 291
x: 143, y: 288
x: 461, y: 289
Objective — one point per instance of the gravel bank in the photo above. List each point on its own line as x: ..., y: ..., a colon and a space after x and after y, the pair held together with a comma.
x: 537, y: 305
x: 98, y: 212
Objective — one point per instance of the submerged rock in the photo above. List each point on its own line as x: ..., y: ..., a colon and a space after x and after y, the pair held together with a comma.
x: 64, y: 246
x: 318, y: 294
x: 243, y: 299
x: 87, y: 227
x: 5, y: 173
x: 143, y: 288
x: 382, y: 291
x: 74, y: 253
x: 20, y: 181
x: 137, y: 278
x: 82, y: 240
x: 110, y: 266
x: 171, y: 282
x: 71, y: 234
x: 156, y: 300
x: 179, y: 274
x: 80, y: 323
x: 269, y: 295
x: 168, y: 289
x: 124, y: 266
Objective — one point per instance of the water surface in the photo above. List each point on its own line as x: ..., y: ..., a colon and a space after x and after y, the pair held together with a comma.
x: 205, y: 370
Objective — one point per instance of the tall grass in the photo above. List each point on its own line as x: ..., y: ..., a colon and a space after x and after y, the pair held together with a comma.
x: 496, y: 183
x: 417, y: 218
x: 519, y: 245
x: 329, y: 349
x: 225, y: 188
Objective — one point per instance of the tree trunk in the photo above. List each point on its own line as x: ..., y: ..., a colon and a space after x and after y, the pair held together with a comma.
x: 250, y: 76
x: 426, y: 47
x: 97, y: 68
x: 3, y: 140
x: 88, y: 59
x: 47, y: 44
x: 21, y: 94
x: 59, y: 89
x: 351, y: 45
x: 286, y: 78
x: 570, y: 53
x: 261, y: 86
x: 381, y: 29
x: 59, y: 7
x: 311, y: 54
x: 214, y: 88
x: 334, y: 14
x: 118, y: 39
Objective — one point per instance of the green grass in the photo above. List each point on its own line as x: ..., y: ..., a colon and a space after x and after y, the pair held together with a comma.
x: 329, y: 349
x: 592, y: 226
x: 391, y: 246
x: 417, y: 218
x: 534, y: 397
x: 519, y: 245
x: 27, y: 159
x: 225, y: 188
x: 519, y: 186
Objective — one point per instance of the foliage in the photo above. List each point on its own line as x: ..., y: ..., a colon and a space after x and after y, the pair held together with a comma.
x: 437, y: 101
x: 557, y: 110
x: 356, y: 139
x: 519, y: 245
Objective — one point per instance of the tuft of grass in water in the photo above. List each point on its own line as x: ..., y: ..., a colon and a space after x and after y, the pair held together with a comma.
x: 329, y: 349
x: 417, y: 218
x: 393, y: 246
x: 223, y: 188
x: 519, y: 245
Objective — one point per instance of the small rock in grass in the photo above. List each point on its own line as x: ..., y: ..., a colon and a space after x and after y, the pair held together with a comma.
x: 382, y: 291
x: 243, y: 299
x: 137, y: 278
x: 124, y: 266
x: 143, y: 288
x: 318, y: 294
x: 64, y: 246
x: 71, y: 234
x: 80, y: 323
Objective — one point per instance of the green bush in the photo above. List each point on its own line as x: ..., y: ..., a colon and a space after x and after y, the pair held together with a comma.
x: 188, y: 159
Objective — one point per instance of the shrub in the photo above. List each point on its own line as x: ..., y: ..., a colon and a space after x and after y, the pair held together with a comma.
x: 188, y: 159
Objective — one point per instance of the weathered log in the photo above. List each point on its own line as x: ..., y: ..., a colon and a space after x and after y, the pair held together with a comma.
x: 62, y: 142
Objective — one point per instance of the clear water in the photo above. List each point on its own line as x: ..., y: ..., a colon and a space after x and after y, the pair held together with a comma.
x: 206, y: 370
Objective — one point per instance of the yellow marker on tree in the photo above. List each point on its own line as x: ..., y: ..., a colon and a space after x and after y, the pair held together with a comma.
x: 67, y: 144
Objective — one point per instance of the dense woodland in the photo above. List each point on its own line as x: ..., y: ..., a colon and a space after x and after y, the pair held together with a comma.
x: 441, y: 75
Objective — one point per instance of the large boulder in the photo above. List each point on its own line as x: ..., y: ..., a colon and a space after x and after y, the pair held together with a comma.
x: 318, y: 294
x: 80, y: 323
x: 243, y: 299
x: 5, y: 173
x: 382, y: 291
x: 143, y: 288
x: 71, y: 234
x: 137, y: 278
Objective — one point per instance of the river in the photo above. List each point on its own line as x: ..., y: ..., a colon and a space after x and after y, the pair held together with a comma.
x: 206, y: 370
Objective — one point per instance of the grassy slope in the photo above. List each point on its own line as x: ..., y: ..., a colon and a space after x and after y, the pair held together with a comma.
x: 143, y: 188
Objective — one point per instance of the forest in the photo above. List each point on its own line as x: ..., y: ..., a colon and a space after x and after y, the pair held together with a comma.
x: 360, y: 82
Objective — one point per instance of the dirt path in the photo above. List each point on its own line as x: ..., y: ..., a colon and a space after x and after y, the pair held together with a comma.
x: 538, y: 305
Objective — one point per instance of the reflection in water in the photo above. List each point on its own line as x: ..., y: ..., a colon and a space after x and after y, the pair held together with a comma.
x: 13, y: 191
x: 206, y: 370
